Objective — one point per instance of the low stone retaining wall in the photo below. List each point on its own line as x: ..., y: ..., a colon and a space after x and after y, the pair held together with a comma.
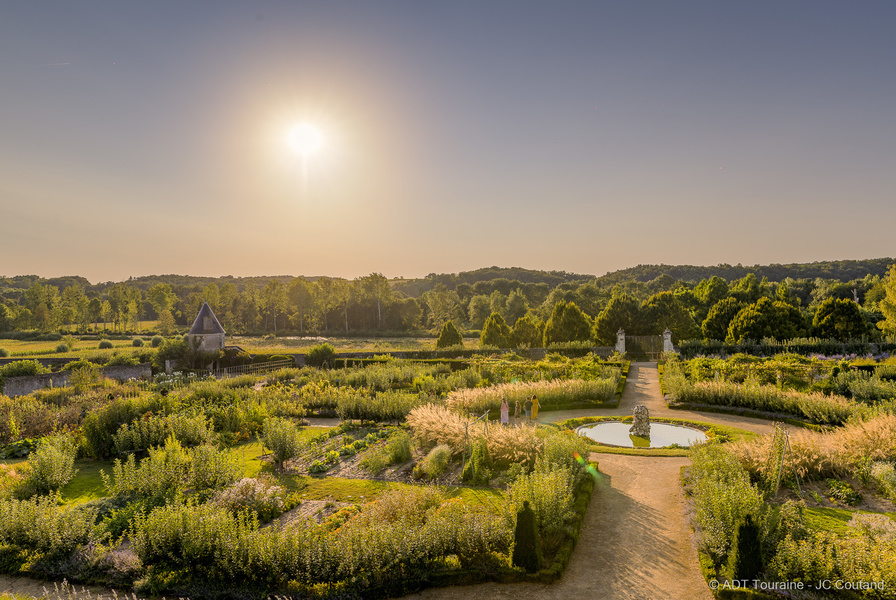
x: 20, y: 386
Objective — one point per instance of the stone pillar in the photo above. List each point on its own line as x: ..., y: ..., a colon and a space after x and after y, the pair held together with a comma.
x: 620, y: 341
x: 667, y: 341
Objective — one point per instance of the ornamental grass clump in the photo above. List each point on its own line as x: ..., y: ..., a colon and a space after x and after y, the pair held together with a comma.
x: 814, y: 406
x: 551, y: 394
x: 830, y: 454
x: 433, y: 424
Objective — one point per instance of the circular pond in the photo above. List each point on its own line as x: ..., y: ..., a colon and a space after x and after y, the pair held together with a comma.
x: 615, y: 433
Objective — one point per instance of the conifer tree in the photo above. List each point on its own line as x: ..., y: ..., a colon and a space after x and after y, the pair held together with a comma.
x: 888, y: 303
x: 449, y: 336
x: 495, y: 333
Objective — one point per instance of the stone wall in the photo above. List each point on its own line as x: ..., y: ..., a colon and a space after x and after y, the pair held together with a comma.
x: 19, y: 386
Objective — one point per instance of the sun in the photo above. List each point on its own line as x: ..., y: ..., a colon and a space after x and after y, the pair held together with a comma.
x: 305, y: 139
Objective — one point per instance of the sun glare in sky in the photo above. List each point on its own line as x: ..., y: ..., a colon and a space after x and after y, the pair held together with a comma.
x: 306, y: 139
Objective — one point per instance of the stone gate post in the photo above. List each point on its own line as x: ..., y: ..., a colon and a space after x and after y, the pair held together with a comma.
x: 620, y: 341
x: 667, y: 341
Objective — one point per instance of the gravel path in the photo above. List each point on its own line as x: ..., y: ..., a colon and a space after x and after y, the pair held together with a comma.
x: 635, y: 541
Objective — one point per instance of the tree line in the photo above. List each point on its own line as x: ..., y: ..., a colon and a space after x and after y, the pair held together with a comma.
x: 712, y: 308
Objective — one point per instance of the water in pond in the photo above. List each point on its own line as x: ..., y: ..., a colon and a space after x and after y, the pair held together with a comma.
x: 614, y: 433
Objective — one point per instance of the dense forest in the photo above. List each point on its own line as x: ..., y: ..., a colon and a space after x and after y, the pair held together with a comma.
x: 840, y: 299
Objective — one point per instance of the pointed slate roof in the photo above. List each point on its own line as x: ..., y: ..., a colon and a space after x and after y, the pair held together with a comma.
x: 206, y: 322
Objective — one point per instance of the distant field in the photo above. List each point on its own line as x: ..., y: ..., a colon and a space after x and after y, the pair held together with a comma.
x: 81, y: 349
x: 302, y: 344
x: 77, y: 348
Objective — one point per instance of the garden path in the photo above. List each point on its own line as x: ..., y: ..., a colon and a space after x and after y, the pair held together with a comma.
x: 635, y: 542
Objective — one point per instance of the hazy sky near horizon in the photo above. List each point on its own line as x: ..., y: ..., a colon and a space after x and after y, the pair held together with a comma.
x: 151, y: 138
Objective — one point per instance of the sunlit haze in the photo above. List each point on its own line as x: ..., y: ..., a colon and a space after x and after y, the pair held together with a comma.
x: 319, y: 138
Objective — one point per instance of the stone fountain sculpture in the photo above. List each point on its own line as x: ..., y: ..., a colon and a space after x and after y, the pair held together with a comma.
x: 641, y: 425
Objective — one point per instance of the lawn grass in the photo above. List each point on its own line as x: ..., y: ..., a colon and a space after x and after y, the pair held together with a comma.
x: 79, y: 349
x: 87, y: 483
x: 833, y: 519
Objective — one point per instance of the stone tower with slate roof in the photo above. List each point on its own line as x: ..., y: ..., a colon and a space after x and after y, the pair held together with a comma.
x: 206, y: 334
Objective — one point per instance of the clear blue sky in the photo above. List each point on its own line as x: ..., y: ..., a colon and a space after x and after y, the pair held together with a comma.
x: 148, y: 138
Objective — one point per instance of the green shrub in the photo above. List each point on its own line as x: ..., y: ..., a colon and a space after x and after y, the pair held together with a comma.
x: 884, y: 475
x: 550, y: 494
x: 136, y: 342
x: 171, y: 469
x: 723, y: 496
x: 827, y: 556
x: 157, y: 341
x: 62, y: 348
x: 321, y: 356
x: 842, y: 492
x: 477, y: 471
x: 384, y: 407
x: 399, y: 447
x: 52, y: 463
x: 258, y: 496
x: 4, y: 352
x: 153, y: 430
x: 174, y: 349
x: 281, y: 437
x: 495, y: 332
x: 121, y: 360
x: 101, y: 425
x: 212, y: 469
x: 41, y: 525
x: 105, y: 344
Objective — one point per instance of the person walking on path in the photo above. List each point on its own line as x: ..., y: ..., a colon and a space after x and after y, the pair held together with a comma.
x: 505, y: 412
x: 535, y: 406
x: 528, y: 407
x: 516, y: 412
